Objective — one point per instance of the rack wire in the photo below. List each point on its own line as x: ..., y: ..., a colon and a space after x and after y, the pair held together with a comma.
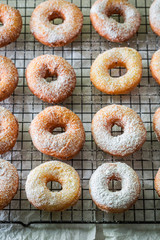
x: 85, y: 102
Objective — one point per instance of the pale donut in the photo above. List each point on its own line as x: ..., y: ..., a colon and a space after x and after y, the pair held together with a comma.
x: 9, y: 181
x: 156, y: 123
x: 129, y: 141
x: 42, y: 198
x: 109, y: 28
x: 154, y: 16
x: 56, y: 35
x: 155, y: 66
x: 12, y: 24
x: 126, y: 57
x: 8, y: 130
x: 64, y: 145
x: 118, y: 201
x: 49, y: 65
x: 8, y: 77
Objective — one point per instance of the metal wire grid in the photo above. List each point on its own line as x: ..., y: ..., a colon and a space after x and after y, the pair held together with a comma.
x: 85, y: 102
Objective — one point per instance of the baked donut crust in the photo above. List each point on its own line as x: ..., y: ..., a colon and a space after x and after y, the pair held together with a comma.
x: 157, y: 182
x: 8, y: 77
x: 109, y: 28
x: 9, y: 130
x: 154, y: 15
x: 119, y: 201
x: 12, y: 24
x: 64, y: 145
x: 126, y: 57
x: 48, y: 65
x: 42, y: 198
x: 9, y: 181
x: 156, y: 123
x: 155, y: 66
x: 129, y: 141
x: 56, y: 35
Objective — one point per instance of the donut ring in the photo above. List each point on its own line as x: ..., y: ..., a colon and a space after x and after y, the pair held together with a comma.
x: 131, y: 140
x: 154, y: 15
x: 8, y: 77
x: 109, y: 28
x: 64, y: 145
x: 157, y: 182
x: 126, y: 57
x: 119, y: 201
x: 156, y: 123
x: 12, y: 24
x: 154, y: 66
x: 42, y: 198
x: 56, y: 35
x: 49, y: 65
x: 9, y: 181
x: 8, y: 130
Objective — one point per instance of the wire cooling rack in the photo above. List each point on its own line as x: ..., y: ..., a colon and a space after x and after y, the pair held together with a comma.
x: 85, y: 102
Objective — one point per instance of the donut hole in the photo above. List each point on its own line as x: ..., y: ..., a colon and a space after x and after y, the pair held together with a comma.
x: 116, y: 130
x: 114, y: 185
x: 117, y: 70
x: 49, y: 77
x: 54, y: 186
x: 116, y: 13
x: 56, y: 18
x: 57, y: 21
x: 57, y: 130
x: 1, y: 24
x: 119, y: 18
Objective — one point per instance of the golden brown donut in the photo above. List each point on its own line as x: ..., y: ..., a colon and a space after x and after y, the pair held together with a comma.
x: 156, y: 123
x: 109, y: 28
x: 155, y: 66
x: 56, y: 35
x: 124, y: 57
x: 129, y: 141
x: 9, y: 181
x: 12, y: 24
x: 49, y: 65
x: 64, y: 145
x: 8, y: 130
x: 42, y: 198
x: 8, y: 77
x: 119, y: 201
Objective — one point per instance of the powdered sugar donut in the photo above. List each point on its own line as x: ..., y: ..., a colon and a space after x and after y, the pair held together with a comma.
x: 118, y: 201
x: 49, y: 65
x: 42, y: 198
x: 9, y: 181
x: 155, y: 66
x: 156, y: 123
x: 109, y: 28
x: 12, y: 24
x: 8, y: 77
x: 8, y: 130
x: 56, y: 35
x: 154, y: 16
x: 64, y: 145
x: 131, y: 140
x: 126, y: 57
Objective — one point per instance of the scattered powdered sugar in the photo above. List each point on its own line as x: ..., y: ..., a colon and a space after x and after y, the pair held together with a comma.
x: 41, y: 197
x: 134, y: 131
x: 154, y: 15
x: 121, y: 200
x: 109, y: 28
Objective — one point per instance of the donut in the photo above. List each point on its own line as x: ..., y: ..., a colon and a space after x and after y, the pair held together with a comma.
x: 109, y: 28
x: 64, y: 145
x: 132, y: 138
x: 124, y: 57
x: 9, y: 181
x: 156, y: 123
x: 155, y: 66
x: 154, y: 15
x: 42, y: 198
x: 12, y: 24
x: 157, y: 182
x: 8, y: 130
x: 49, y: 65
x: 119, y: 201
x: 8, y: 77
x: 56, y: 35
